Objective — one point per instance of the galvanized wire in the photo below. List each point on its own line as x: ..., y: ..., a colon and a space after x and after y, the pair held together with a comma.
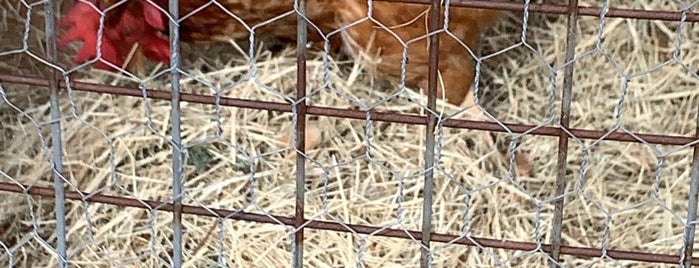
x: 56, y: 138
x: 176, y: 133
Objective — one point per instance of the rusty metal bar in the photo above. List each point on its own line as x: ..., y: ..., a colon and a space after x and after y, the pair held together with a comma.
x: 299, y: 116
x: 562, y: 165
x: 432, y: 84
x: 393, y: 117
x: 342, y: 227
x: 563, y: 9
x: 50, y: 11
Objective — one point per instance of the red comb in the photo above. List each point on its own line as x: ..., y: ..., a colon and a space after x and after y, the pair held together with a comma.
x: 155, y: 47
x: 153, y: 16
x: 83, y: 20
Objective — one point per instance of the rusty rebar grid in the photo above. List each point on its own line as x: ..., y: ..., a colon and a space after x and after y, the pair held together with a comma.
x: 411, y: 119
x: 300, y: 111
x: 341, y: 227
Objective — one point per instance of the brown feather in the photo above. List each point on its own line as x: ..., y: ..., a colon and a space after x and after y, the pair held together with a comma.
x: 379, y: 43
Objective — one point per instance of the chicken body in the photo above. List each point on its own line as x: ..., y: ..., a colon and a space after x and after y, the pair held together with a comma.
x: 211, y: 21
x: 236, y: 19
x: 382, y: 41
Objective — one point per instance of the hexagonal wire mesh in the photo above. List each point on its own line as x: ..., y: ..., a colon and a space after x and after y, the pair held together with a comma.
x: 225, y: 164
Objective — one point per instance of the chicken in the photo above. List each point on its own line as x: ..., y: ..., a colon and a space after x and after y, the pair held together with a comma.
x: 141, y: 22
x: 379, y: 45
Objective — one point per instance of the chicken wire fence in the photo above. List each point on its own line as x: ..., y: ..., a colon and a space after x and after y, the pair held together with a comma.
x: 76, y: 211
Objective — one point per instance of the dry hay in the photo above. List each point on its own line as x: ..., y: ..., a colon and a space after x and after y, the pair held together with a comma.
x: 117, y: 145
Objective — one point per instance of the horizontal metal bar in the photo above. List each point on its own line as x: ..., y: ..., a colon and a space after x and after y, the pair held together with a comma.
x: 361, y: 115
x: 563, y: 9
x: 342, y: 227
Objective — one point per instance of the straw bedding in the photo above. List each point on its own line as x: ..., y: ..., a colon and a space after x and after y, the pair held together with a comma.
x: 632, y: 196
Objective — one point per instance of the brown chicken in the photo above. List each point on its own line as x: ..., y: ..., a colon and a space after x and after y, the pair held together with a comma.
x: 140, y: 22
x: 408, y: 22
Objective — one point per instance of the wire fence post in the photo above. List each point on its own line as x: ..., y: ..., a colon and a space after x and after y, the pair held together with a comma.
x: 693, y: 198
x: 433, y: 76
x: 299, y: 108
x: 175, y: 116
x: 56, y: 139
x: 562, y: 164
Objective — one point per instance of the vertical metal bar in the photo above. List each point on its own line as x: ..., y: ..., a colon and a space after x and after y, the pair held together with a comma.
x: 300, y: 107
x: 690, y: 225
x: 177, y: 154
x: 56, y: 141
x: 562, y: 164
x: 432, y: 83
